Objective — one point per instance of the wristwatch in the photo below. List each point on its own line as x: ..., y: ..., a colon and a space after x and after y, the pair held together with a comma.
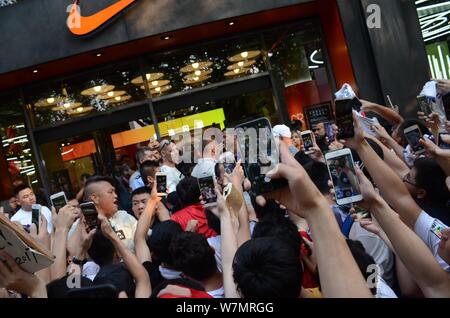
x: 76, y: 261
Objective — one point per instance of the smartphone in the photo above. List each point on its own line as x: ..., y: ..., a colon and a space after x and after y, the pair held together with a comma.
x: 330, y: 132
x: 413, y: 135
x: 58, y: 200
x: 106, y: 291
x: 207, y: 192
x: 35, y: 213
x: 441, y: 143
x: 341, y: 168
x: 307, y: 138
x: 259, y: 154
x: 161, y: 184
x: 344, y: 118
x: 229, y: 167
x: 356, y: 104
x: 90, y: 215
x: 446, y: 102
x: 424, y: 105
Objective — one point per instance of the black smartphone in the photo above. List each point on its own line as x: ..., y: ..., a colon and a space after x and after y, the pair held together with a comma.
x: 90, y: 215
x: 424, y: 105
x: 161, y: 184
x: 207, y: 192
x: 35, y: 213
x: 356, y: 104
x: 259, y: 154
x: 413, y: 136
x: 106, y: 291
x: 344, y: 118
x: 446, y: 102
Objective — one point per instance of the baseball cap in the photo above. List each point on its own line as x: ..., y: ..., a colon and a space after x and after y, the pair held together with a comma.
x: 282, y: 131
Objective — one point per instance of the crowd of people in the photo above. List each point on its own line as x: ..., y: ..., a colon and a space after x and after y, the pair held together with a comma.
x: 291, y: 243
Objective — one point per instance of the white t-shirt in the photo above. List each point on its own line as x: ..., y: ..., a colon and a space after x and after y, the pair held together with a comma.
x: 218, y: 293
x: 174, y: 176
x: 383, y: 289
x: 376, y: 248
x: 204, y: 168
x: 215, y: 243
x: 24, y: 217
x: 169, y: 273
x: 424, y: 229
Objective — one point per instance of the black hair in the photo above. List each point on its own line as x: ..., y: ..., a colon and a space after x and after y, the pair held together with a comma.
x: 267, y: 268
x: 148, y: 168
x: 93, y: 180
x: 188, y: 191
x: 213, y: 221
x: 183, y: 282
x: 217, y: 169
x: 362, y: 259
x: 193, y: 256
x: 431, y: 178
x: 278, y: 226
x: 20, y: 188
x: 101, y: 250
x: 318, y: 172
x: 59, y: 288
x: 411, y: 122
x: 85, y: 176
x: 141, y: 190
x: 117, y: 275
x: 159, y: 241
x: 140, y: 154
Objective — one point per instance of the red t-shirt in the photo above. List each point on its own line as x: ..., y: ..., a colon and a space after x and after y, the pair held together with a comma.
x: 309, y: 279
x: 194, y: 212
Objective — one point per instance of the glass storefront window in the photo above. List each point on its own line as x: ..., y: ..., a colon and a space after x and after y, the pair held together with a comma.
x: 16, y: 153
x: 299, y: 55
x: 199, y: 67
x: 79, y: 96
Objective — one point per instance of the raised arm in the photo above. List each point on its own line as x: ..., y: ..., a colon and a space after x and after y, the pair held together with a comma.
x: 387, y: 113
x: 139, y: 273
x: 415, y: 255
x: 389, y: 142
x: 441, y: 156
x: 391, y: 186
x: 62, y: 221
x: 339, y: 273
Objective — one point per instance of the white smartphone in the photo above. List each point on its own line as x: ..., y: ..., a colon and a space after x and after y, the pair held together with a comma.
x: 413, y: 135
x: 161, y: 184
x: 58, y: 200
x: 308, y: 143
x: 343, y: 175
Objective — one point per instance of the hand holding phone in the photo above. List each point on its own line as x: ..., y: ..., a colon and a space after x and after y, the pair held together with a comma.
x: 161, y: 184
x: 90, y: 215
x: 413, y: 136
x: 35, y: 215
x: 207, y: 191
x: 308, y: 141
x: 424, y: 105
x: 341, y: 168
x: 58, y: 200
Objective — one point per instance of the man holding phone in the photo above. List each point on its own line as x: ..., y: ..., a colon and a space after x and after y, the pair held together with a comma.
x: 26, y: 198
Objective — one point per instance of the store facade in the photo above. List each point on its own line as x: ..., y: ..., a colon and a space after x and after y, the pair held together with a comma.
x: 76, y: 104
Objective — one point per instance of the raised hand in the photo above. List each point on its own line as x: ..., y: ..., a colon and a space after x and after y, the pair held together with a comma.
x: 66, y: 217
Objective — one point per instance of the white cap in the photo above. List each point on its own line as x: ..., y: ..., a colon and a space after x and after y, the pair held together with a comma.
x: 282, y: 131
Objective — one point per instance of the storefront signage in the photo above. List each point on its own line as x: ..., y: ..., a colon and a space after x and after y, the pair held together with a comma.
x: 84, y: 25
x: 318, y: 114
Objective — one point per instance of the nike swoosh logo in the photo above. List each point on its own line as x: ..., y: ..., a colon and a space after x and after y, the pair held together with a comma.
x: 80, y: 25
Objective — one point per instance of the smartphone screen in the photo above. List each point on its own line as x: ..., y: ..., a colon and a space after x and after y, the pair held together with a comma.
x: 90, y: 215
x: 35, y: 213
x: 59, y: 202
x: 423, y: 105
x: 229, y: 167
x: 344, y: 118
x: 330, y: 132
x: 343, y: 175
x: 446, y: 102
x: 207, y: 192
x: 161, y: 184
x: 413, y: 136
x: 259, y: 154
x: 307, y: 141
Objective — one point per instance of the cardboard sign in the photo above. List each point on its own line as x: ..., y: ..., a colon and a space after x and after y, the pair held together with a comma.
x: 30, y: 255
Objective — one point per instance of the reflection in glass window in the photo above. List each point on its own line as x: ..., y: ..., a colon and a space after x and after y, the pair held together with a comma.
x: 76, y: 97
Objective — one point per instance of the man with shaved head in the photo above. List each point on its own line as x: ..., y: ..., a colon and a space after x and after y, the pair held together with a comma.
x: 101, y: 191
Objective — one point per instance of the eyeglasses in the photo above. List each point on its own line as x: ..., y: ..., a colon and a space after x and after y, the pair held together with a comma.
x: 407, y: 179
x: 164, y: 143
